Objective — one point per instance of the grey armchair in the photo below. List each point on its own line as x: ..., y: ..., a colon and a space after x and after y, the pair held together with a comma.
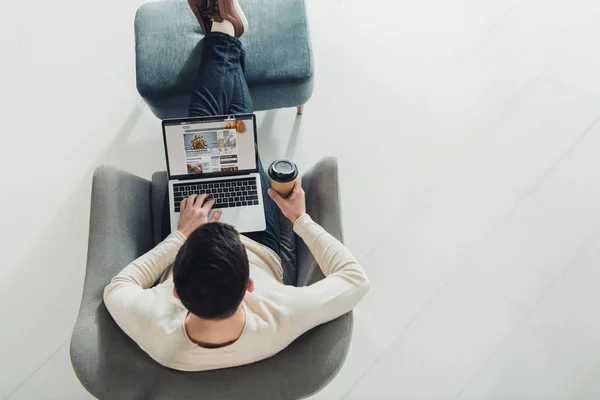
x: 127, y: 219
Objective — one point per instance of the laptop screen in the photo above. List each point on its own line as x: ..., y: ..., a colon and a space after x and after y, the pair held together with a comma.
x: 209, y: 146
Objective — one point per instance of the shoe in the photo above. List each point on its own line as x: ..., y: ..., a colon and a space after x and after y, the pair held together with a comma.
x: 231, y: 11
x: 204, y: 12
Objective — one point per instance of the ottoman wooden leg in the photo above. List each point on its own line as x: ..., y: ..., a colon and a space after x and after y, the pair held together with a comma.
x: 300, y: 109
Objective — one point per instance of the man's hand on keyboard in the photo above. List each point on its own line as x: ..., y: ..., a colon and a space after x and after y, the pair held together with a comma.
x: 194, y: 213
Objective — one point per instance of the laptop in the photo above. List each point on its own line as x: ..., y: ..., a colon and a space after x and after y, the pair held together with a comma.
x: 217, y: 156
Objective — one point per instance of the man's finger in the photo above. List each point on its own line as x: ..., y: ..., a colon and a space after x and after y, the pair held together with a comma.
x: 192, y: 199
x: 201, y: 198
x: 183, y: 204
x: 216, y: 216
x: 208, y: 205
x: 297, y: 185
x: 275, y: 196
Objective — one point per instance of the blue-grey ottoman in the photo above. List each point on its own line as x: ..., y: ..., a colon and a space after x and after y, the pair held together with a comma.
x: 279, y: 61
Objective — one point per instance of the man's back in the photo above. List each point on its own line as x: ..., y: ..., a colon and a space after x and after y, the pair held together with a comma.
x: 276, y: 314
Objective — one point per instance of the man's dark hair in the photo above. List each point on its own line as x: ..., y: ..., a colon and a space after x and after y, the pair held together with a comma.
x: 211, y: 271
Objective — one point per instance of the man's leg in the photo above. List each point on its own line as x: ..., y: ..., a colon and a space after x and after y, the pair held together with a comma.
x: 221, y: 89
x: 270, y: 237
x: 217, y: 77
x: 241, y: 101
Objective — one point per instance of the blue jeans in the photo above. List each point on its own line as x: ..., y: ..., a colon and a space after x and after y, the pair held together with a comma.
x: 221, y: 89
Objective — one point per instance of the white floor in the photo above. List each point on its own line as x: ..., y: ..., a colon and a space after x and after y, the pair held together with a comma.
x: 468, y: 137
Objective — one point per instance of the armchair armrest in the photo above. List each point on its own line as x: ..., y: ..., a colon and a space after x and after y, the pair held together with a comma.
x: 120, y: 231
x: 323, y: 205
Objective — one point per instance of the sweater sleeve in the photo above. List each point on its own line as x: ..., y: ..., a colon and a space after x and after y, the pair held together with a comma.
x: 345, y: 283
x: 126, y: 297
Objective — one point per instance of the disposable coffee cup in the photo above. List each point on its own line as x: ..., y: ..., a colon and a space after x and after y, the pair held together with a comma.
x: 283, y: 174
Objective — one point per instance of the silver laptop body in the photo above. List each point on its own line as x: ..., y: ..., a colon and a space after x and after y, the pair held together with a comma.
x: 217, y: 156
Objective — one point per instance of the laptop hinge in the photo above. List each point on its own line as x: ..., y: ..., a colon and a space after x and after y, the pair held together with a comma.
x: 187, y: 178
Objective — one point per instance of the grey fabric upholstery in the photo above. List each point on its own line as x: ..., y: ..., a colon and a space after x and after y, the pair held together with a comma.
x: 126, y: 221
x: 279, y: 62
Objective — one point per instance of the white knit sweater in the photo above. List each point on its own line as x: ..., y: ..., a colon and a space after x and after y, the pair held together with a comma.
x: 276, y: 314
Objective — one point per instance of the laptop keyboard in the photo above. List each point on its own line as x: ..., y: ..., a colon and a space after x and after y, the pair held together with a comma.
x: 230, y: 193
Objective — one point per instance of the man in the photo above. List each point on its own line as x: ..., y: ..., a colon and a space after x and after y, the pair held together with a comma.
x: 221, y: 301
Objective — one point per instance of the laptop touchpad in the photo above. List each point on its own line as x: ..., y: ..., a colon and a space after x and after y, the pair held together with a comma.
x: 230, y: 216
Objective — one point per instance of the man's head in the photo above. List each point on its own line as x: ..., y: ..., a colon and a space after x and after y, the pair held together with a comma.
x: 211, y: 272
